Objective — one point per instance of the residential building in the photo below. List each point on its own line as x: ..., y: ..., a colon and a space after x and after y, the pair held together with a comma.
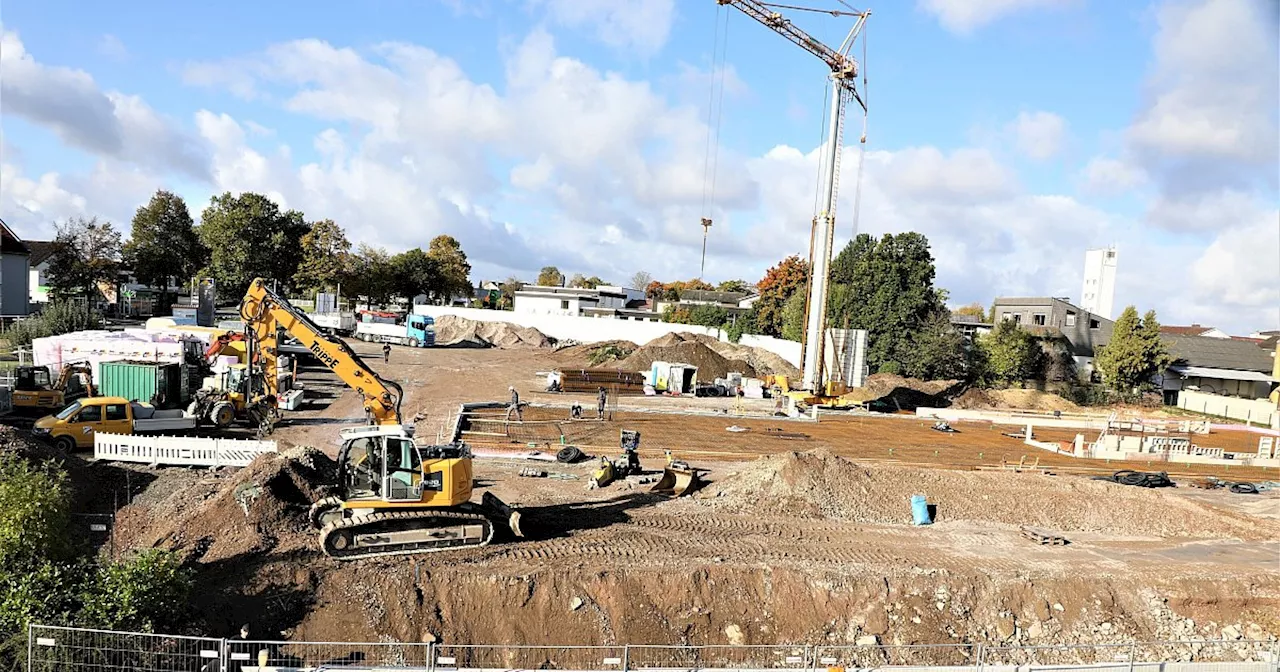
x: 1220, y: 366
x: 15, y: 258
x: 603, y: 301
x: 38, y: 285
x: 1099, y: 291
x: 971, y: 326
x: 1193, y: 330
x: 1083, y: 330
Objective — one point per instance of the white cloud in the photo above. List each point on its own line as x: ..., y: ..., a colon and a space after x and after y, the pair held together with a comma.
x: 1039, y: 135
x: 1240, y: 270
x: 965, y: 16
x: 111, y: 47
x: 69, y: 103
x: 639, y: 25
x: 1106, y: 176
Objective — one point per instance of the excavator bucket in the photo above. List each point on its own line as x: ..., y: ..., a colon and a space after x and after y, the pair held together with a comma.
x: 604, y: 475
x: 678, y: 479
x: 502, y: 513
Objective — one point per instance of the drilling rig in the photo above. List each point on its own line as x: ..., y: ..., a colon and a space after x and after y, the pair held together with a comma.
x: 814, y: 387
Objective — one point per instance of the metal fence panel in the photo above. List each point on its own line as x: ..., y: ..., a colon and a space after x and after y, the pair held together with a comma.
x: 54, y: 649
x: 326, y: 655
x: 719, y: 657
x: 919, y: 656
x: 513, y: 657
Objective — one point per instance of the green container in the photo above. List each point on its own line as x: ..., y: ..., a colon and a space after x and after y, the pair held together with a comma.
x: 159, y: 384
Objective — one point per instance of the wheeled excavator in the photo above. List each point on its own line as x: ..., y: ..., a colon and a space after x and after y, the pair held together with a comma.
x: 393, y: 497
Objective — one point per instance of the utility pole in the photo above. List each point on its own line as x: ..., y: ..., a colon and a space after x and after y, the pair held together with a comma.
x: 844, y: 72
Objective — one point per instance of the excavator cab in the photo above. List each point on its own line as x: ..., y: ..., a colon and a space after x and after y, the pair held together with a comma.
x: 34, y: 389
x: 396, y: 497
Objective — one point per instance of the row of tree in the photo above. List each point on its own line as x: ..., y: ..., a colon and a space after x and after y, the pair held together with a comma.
x: 241, y: 237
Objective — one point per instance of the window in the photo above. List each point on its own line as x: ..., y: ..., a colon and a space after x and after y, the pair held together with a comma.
x: 564, y: 305
x: 1038, y: 319
x: 1071, y: 319
x: 90, y: 414
x: 116, y: 412
x: 1094, y: 324
x: 1017, y: 318
x: 1005, y: 316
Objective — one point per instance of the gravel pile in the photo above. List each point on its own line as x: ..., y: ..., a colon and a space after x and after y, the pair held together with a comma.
x: 820, y: 485
x: 452, y: 330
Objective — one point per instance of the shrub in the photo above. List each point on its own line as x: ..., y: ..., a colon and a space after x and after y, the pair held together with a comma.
x: 56, y: 318
x: 147, y: 592
x: 34, y: 510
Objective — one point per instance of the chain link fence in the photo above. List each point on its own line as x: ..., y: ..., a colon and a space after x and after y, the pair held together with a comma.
x: 55, y: 649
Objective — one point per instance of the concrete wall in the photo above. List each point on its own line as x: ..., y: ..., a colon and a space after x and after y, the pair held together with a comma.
x: 549, y: 305
x: 592, y: 330
x: 13, y: 290
x: 1254, y: 411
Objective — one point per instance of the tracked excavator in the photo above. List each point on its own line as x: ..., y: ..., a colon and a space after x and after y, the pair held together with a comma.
x: 393, y: 497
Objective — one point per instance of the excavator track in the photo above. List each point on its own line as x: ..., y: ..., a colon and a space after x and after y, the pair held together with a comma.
x: 405, y: 532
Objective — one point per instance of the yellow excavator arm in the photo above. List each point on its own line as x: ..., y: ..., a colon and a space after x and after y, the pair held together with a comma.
x: 266, y: 314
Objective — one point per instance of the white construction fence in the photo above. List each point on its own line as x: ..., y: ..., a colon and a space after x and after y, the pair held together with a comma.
x: 55, y: 649
x: 179, y: 450
x: 1259, y: 412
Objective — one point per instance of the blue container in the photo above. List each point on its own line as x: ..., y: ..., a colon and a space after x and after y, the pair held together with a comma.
x: 920, y: 510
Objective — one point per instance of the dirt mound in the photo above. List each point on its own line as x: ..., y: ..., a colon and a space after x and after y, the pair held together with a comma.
x: 598, y: 353
x: 678, y: 348
x: 765, y: 363
x: 887, y: 391
x: 455, y: 331
x: 974, y: 398
x: 818, y: 484
x: 1032, y: 400
x: 260, y: 508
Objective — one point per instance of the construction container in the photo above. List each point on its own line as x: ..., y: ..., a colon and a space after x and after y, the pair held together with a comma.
x: 161, y: 384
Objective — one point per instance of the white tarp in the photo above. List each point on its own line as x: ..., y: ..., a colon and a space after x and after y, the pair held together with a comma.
x: 95, y: 347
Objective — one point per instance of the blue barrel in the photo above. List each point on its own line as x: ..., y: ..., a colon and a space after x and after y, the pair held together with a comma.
x: 920, y: 510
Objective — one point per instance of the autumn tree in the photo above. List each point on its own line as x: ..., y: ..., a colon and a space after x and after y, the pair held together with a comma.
x: 509, y: 289
x: 326, y: 256
x: 453, y: 271
x: 163, y: 249
x: 550, y: 276
x: 654, y: 290
x: 640, y: 280
x: 779, y: 283
x: 1135, y: 353
x: 249, y: 237
x: 974, y: 309
x: 86, y: 254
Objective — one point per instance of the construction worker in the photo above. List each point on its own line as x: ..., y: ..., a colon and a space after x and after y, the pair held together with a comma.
x: 386, y: 352
x: 601, y: 398
x: 515, y: 405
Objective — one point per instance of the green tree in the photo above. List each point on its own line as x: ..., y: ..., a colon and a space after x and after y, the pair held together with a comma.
x: 1010, y: 353
x: 550, y: 276
x: 1134, y: 354
x: 509, y: 289
x: 453, y: 271
x: 415, y: 272
x: 249, y: 237
x: 708, y: 316
x: 793, y: 325
x: 86, y: 255
x: 890, y: 293
x: 373, y: 275
x: 937, y: 350
x: 326, y: 256
x: 640, y: 280
x: 163, y: 248
x: 738, y: 286
x: 788, y: 277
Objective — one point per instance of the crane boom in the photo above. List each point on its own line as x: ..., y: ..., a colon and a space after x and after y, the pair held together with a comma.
x: 266, y: 314
x: 844, y: 71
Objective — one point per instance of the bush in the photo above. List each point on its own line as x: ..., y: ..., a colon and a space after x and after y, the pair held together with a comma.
x: 890, y: 367
x: 607, y: 353
x: 148, y: 592
x: 56, y: 318
x: 34, y: 511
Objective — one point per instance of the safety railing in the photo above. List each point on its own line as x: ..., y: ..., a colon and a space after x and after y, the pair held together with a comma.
x: 179, y: 450
x: 52, y: 649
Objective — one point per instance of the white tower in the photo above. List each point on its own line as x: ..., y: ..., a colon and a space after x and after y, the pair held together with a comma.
x: 1099, y: 291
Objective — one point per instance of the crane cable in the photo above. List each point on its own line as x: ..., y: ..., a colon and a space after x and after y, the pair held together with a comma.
x: 715, y: 109
x: 862, y: 141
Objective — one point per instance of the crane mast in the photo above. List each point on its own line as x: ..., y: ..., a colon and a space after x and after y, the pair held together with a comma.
x: 844, y: 72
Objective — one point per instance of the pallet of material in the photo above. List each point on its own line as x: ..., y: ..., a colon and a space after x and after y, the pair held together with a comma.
x: 590, y: 380
x: 1044, y: 537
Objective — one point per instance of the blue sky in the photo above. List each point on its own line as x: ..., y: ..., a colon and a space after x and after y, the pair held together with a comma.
x: 1014, y: 133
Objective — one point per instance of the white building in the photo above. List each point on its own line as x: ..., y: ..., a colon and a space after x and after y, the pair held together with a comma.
x: 576, y: 301
x: 1099, y: 292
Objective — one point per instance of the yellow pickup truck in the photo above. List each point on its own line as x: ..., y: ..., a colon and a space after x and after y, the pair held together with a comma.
x: 74, y: 426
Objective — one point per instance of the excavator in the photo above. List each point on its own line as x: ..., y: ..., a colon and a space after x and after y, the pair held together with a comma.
x: 33, y: 393
x: 393, y: 497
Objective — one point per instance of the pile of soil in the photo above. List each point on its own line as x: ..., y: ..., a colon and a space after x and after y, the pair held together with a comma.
x: 687, y: 349
x: 598, y: 353
x: 818, y: 484
x: 974, y: 398
x: 1032, y: 400
x: 887, y: 391
x: 258, y: 509
x: 455, y: 331
x: 765, y: 363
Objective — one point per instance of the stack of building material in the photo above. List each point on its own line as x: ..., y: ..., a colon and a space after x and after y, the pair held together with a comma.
x: 135, y: 345
x: 591, y: 380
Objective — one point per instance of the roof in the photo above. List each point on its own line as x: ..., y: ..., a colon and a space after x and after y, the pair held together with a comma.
x: 1221, y: 374
x: 543, y: 290
x: 712, y: 297
x: 41, y: 250
x: 1217, y: 353
x: 1193, y: 330
x: 969, y: 319
x: 10, y: 243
